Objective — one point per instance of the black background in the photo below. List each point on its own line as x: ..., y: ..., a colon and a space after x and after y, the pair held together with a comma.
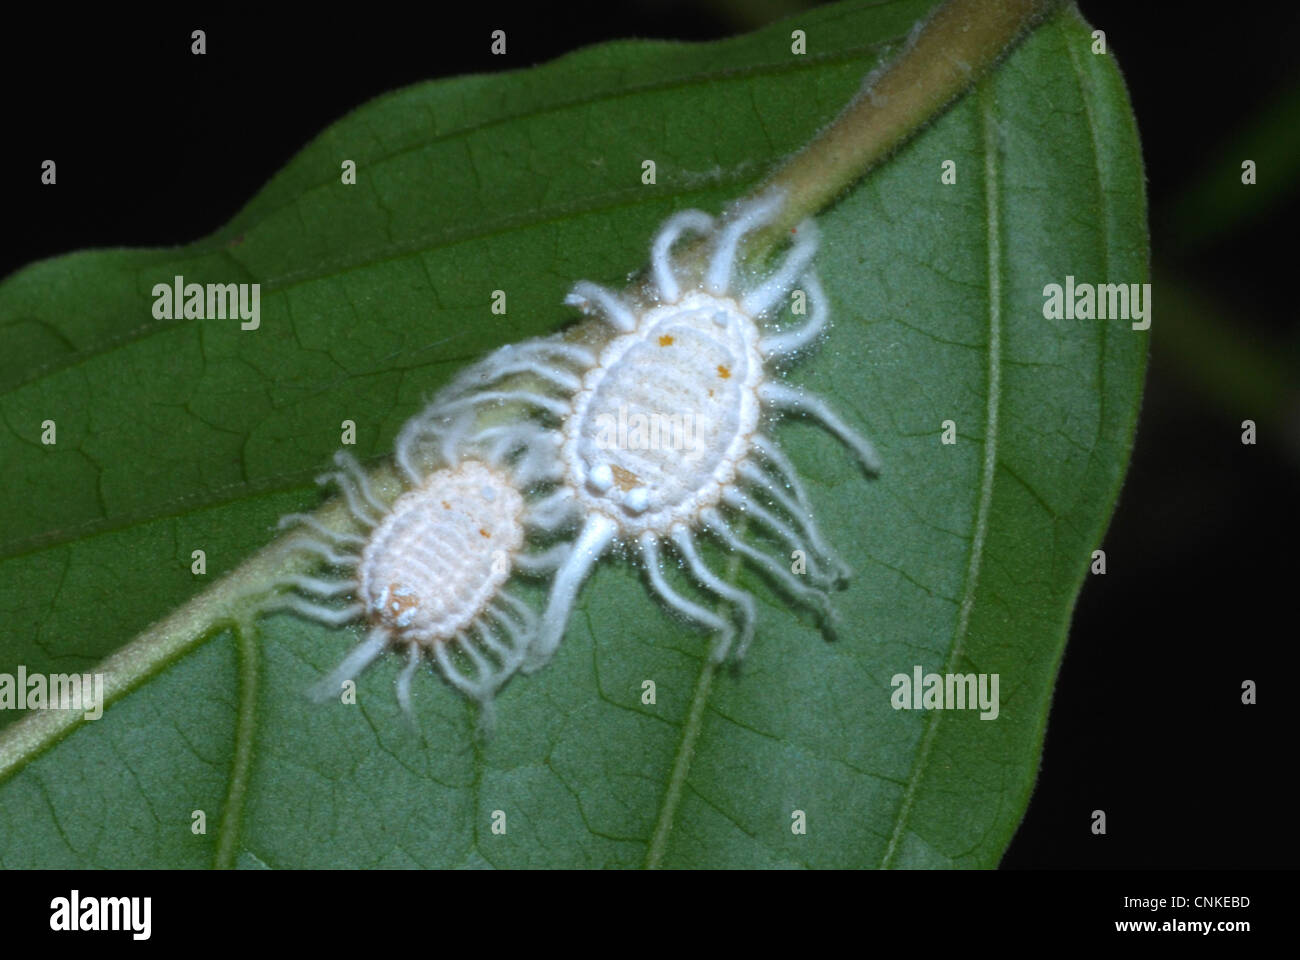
x: 156, y: 146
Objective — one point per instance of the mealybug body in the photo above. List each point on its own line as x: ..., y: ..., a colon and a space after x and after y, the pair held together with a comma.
x: 701, y: 356
x: 429, y: 571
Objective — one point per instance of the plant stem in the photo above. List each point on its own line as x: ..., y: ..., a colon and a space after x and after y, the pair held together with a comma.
x: 231, y: 601
x: 944, y: 56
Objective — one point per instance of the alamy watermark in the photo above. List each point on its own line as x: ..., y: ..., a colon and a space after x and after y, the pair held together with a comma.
x: 647, y: 431
x: 55, y: 691
x: 1101, y: 301
x: 946, y: 691
x: 213, y: 301
x: 75, y: 913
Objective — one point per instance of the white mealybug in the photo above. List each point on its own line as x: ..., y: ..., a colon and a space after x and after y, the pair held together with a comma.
x: 428, y: 571
x: 698, y: 353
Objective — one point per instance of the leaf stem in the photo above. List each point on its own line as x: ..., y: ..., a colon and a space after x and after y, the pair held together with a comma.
x: 943, y: 57
x: 230, y: 603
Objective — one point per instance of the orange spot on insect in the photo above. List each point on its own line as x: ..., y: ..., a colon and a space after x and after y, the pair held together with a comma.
x: 665, y: 341
x: 446, y: 505
x: 723, y: 372
x: 401, y: 600
x: 623, y: 478
x: 483, y: 533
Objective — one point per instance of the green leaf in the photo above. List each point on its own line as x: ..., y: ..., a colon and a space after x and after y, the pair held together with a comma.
x: 182, y: 435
